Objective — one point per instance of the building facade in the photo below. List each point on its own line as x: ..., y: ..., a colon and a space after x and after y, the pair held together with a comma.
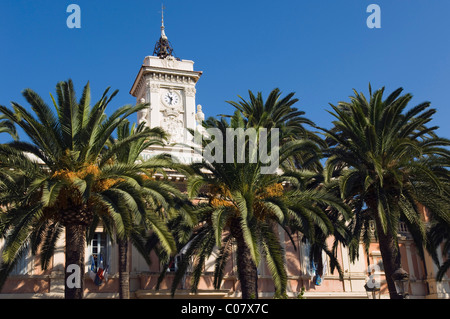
x: 168, y: 85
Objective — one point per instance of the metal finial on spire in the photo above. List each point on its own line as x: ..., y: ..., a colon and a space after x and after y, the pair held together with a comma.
x: 163, y: 48
x: 163, y: 34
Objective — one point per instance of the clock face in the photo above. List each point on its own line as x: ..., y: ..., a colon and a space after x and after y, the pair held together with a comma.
x: 171, y: 98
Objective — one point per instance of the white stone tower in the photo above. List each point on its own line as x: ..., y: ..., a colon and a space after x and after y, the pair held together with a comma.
x: 168, y: 84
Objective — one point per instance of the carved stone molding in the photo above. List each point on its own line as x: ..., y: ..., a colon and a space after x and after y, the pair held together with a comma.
x: 169, y: 62
x: 165, y: 77
x: 154, y: 87
x: 173, y: 123
x: 190, y: 91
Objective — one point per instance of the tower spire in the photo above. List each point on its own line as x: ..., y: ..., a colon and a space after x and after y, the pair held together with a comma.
x: 163, y: 34
x: 163, y: 48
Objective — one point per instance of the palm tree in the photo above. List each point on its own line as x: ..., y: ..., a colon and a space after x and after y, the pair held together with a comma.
x: 8, y: 127
x: 275, y: 112
x: 438, y: 234
x: 245, y: 207
x: 74, y: 182
x: 293, y: 209
x: 278, y: 112
x: 388, y: 163
x: 161, y: 199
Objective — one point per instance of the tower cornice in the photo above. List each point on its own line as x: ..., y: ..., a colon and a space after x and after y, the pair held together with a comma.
x: 161, y: 74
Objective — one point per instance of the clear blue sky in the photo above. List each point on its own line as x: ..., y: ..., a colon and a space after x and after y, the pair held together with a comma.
x: 319, y: 49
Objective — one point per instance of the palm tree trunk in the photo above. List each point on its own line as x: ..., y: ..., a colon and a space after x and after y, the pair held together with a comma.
x: 74, y: 261
x: 247, y: 271
x: 390, y: 255
x: 124, y: 276
x: 246, y: 268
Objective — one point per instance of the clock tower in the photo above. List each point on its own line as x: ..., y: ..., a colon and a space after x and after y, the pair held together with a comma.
x: 168, y: 84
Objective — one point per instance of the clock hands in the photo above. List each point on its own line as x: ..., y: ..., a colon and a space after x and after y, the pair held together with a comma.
x: 171, y: 98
